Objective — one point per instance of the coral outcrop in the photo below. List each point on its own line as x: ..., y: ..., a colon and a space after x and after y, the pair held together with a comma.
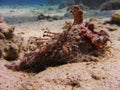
x: 110, y: 5
x: 116, y: 17
x: 6, y: 31
x: 6, y: 36
x: 12, y: 46
x: 93, y: 4
x: 87, y: 3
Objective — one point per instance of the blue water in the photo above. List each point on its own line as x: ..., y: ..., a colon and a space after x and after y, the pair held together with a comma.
x: 27, y: 2
x: 44, y: 5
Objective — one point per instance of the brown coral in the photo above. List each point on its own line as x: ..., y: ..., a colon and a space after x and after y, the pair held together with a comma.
x: 78, y: 43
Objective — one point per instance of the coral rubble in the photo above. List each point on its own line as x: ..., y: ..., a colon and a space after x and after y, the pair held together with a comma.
x: 6, y: 36
x: 12, y: 46
x: 78, y: 43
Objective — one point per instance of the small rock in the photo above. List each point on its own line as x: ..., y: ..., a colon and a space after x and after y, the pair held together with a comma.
x: 112, y: 28
x: 50, y: 9
x: 12, y: 10
x: 105, y: 6
x: 95, y: 77
x: 49, y: 18
x: 11, y: 52
x: 93, y: 19
x: 116, y: 17
x: 41, y: 16
x: 56, y: 18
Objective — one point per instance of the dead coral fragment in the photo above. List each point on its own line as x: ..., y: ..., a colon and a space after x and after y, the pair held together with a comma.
x: 78, y: 43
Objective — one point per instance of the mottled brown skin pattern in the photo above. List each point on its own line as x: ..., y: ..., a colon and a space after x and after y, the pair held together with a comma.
x: 77, y: 14
x: 78, y: 42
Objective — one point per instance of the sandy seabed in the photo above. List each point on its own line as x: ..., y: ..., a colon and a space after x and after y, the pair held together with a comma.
x: 102, y: 75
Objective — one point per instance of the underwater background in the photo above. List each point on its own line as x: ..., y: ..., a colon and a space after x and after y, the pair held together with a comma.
x: 85, y: 4
x: 28, y: 2
x: 92, y: 8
